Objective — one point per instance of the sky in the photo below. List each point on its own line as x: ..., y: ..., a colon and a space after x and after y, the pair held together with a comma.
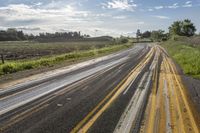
x: 96, y: 17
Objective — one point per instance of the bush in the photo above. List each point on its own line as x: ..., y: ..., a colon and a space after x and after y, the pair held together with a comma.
x: 124, y: 40
x: 9, y: 68
x: 27, y: 66
x: 45, y: 62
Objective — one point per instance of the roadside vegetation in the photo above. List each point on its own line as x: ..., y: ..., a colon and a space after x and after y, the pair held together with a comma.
x: 185, y: 55
x: 184, y: 47
x: 182, y: 44
x: 12, y: 66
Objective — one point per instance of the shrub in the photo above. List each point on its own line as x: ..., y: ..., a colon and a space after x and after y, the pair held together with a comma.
x: 28, y: 65
x: 124, y: 40
x: 9, y: 68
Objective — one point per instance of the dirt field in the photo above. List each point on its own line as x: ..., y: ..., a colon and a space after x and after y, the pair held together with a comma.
x: 23, y: 50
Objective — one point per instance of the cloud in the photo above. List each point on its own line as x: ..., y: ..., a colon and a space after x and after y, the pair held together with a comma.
x: 46, y: 17
x: 29, y: 28
x: 28, y: 12
x: 174, y: 6
x: 119, y: 17
x: 187, y: 4
x: 38, y: 4
x: 140, y: 23
x: 159, y: 7
x: 190, y: 5
x: 150, y: 10
x: 49, y: 18
x: 120, y: 4
x: 161, y: 17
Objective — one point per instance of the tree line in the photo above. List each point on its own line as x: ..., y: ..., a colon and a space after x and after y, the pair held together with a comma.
x: 12, y: 34
x: 178, y: 28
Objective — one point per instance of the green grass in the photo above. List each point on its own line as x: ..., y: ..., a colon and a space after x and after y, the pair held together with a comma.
x: 186, y: 56
x: 20, y: 65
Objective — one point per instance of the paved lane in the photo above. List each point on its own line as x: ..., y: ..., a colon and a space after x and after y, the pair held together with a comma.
x: 131, y: 91
x: 38, y: 91
x: 169, y: 107
x: 80, y: 91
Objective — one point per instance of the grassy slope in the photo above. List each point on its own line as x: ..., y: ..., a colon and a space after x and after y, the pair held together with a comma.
x: 20, y: 65
x: 186, y: 56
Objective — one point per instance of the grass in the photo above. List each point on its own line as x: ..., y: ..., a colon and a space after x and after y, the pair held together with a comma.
x: 21, y: 65
x: 185, y: 55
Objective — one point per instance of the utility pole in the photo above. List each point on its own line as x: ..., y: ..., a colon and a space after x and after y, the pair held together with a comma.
x: 96, y: 32
x: 2, y: 58
x: 138, y: 35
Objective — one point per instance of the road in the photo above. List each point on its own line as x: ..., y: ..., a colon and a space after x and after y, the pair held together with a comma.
x: 136, y: 90
x: 170, y: 108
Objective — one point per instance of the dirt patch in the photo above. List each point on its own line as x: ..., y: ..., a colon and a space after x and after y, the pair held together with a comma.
x: 193, y: 87
x: 25, y: 50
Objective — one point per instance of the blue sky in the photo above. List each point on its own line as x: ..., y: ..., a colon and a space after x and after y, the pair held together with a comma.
x: 96, y: 17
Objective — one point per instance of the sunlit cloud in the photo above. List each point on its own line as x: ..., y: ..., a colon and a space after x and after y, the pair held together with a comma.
x: 119, y: 17
x: 188, y: 4
x: 174, y: 6
x: 120, y: 4
x: 161, y: 17
x: 159, y: 7
x: 150, y: 10
x: 109, y: 16
x: 21, y: 15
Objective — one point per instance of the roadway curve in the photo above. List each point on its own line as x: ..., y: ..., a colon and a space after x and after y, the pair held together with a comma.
x: 108, y: 94
x: 57, y: 102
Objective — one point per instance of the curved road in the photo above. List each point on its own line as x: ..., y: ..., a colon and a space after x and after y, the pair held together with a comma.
x: 108, y: 94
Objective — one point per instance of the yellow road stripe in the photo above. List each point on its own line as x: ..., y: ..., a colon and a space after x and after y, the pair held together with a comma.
x: 193, y: 123
x: 179, y: 122
x: 152, y: 110
x: 182, y: 118
x: 120, y: 85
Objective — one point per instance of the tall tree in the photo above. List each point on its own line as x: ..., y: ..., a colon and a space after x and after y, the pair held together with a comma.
x: 175, y: 28
x: 182, y: 28
x: 158, y: 35
x: 146, y: 34
x: 188, y: 28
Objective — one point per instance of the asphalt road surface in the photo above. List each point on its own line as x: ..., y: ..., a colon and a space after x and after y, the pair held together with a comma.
x: 121, y: 93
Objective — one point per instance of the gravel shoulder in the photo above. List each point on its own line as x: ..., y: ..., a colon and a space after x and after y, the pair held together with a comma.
x: 192, y: 86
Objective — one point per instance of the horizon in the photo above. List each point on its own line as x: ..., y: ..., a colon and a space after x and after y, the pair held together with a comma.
x: 96, y: 18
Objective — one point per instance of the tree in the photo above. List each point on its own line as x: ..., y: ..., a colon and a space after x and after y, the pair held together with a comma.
x: 158, y: 35
x: 182, y: 28
x: 188, y: 28
x: 175, y: 28
x: 146, y: 34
